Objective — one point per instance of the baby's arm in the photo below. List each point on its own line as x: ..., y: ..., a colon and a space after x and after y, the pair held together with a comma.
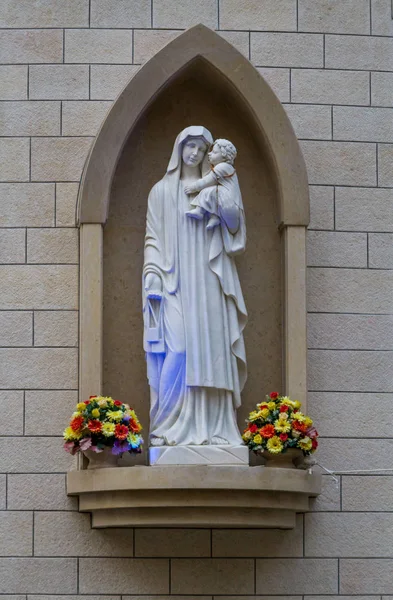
x: 207, y: 181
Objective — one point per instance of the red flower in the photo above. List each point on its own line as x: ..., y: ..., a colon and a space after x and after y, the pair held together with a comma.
x: 284, y: 408
x: 117, y: 403
x: 283, y: 437
x: 274, y: 395
x: 314, y: 444
x: 90, y: 397
x: 299, y: 426
x: 76, y: 423
x: 134, y: 426
x: 121, y: 431
x: 253, y: 428
x: 95, y: 426
x: 267, y: 431
x: 87, y: 402
x: 263, y: 406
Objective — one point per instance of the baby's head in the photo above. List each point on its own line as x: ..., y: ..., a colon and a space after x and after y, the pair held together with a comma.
x: 222, y: 151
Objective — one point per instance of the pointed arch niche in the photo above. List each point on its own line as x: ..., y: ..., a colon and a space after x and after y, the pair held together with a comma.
x: 197, y: 79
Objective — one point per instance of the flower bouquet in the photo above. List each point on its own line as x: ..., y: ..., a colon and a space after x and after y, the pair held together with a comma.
x: 103, y: 425
x: 278, y: 427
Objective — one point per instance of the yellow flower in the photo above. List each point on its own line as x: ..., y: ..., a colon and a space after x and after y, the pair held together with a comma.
x: 299, y: 417
x: 108, y: 429
x: 102, y: 403
x: 274, y: 445
x: 308, y: 421
x: 75, y: 414
x: 69, y: 434
x: 253, y: 416
x: 115, y: 415
x: 282, y: 426
x: 257, y: 439
x: 81, y: 406
x: 272, y: 405
x: 95, y: 413
x: 283, y: 417
x: 247, y: 435
x: 305, y: 444
x: 264, y: 413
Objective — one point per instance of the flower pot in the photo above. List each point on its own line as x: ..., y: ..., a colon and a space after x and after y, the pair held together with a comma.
x: 284, y: 460
x: 101, y: 460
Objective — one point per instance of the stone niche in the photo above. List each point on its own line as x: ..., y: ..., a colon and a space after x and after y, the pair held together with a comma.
x: 198, y: 79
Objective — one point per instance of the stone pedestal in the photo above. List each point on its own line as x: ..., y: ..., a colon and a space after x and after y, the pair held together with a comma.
x: 199, y: 455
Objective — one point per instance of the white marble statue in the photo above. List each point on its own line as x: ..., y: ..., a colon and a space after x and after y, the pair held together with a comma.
x: 194, y: 312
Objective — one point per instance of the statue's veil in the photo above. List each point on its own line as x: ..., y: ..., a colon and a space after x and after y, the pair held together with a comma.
x: 194, y: 131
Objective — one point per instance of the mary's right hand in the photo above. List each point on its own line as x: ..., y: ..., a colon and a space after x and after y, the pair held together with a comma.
x: 153, y: 286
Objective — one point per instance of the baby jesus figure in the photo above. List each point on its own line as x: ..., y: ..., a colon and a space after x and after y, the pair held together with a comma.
x: 219, y: 186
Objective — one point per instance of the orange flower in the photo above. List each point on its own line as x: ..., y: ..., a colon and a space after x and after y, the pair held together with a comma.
x: 299, y: 426
x: 134, y: 426
x: 267, y: 431
x: 76, y: 423
x: 121, y: 431
x: 95, y: 426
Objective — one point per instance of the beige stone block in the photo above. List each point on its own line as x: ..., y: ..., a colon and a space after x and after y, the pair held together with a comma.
x: 38, y: 287
x: 364, y: 209
x: 29, y: 118
x: 287, y: 49
x: 336, y: 249
x: 107, y: 81
x: 297, y: 576
x: 78, y: 538
x: 48, y: 412
x: 349, y: 291
x: 381, y: 250
x: 385, y: 162
x: 66, y: 199
x: 278, y: 79
x: 123, y: 576
x: 256, y: 597
x: 310, y: 122
x: 345, y: 534
x: 239, y: 39
x: 13, y: 82
x: 59, y: 82
x: 340, y: 163
x: 76, y: 597
x: 41, y: 368
x: 31, y: 45
x: 148, y: 43
x: 358, y: 52
x: 212, y: 576
x: 39, y: 492
x: 321, y: 207
x: 120, y: 13
x: 3, y: 493
x: 363, y: 124
x: 367, y: 493
x: 330, y: 87
x: 12, y: 246
x: 83, y: 118
x: 38, y: 575
x: 356, y: 332
x: 34, y: 455
x: 166, y: 14
x: 326, y: 408
x: 163, y: 543
x: 267, y: 543
x: 98, y: 46
x: 27, y: 204
x: 352, y: 371
x: 366, y: 576
x: 52, y: 246
x: 329, y: 498
x: 44, y: 13
x: 56, y: 328
x: 171, y: 598
x: 14, y: 159
x: 16, y: 328
x: 343, y: 597
x: 11, y: 409
x: 16, y: 533
x: 335, y: 16
x: 270, y: 15
x: 381, y: 23
x: 382, y: 89
x: 58, y: 159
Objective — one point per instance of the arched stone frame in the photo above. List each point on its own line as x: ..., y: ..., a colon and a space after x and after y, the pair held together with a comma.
x: 287, y: 164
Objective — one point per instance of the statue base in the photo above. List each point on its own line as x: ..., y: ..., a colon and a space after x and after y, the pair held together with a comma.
x: 199, y: 455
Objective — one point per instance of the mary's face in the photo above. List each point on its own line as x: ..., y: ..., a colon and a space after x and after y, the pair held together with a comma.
x: 194, y: 150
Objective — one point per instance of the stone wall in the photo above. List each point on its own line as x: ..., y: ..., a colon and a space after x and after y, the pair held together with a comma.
x: 331, y: 64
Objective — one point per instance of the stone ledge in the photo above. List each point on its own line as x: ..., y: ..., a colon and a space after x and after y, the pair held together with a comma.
x: 193, y: 496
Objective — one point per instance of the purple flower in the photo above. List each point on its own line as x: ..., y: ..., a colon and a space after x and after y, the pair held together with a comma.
x: 120, y: 446
x: 70, y: 447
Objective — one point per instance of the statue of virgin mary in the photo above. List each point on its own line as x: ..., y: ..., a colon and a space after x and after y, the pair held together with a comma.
x: 194, y: 312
